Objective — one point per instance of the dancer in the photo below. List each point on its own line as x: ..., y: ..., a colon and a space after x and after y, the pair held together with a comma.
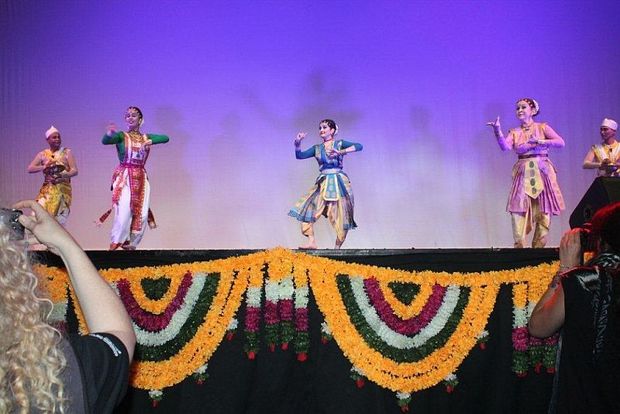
x: 331, y: 195
x: 605, y: 157
x: 58, y: 166
x: 535, y: 194
x: 130, y: 185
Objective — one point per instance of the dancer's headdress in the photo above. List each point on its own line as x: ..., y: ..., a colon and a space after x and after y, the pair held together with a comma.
x: 610, y: 123
x: 51, y: 131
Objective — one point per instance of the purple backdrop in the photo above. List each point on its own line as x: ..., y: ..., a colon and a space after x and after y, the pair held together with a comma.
x: 231, y: 82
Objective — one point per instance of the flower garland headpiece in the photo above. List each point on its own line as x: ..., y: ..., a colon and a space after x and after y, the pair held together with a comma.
x: 135, y: 108
x: 532, y: 103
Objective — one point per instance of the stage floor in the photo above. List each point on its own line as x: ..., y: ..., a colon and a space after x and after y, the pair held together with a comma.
x: 448, y: 260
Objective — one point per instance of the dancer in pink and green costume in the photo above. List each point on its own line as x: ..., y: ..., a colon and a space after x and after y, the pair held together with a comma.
x: 131, y: 190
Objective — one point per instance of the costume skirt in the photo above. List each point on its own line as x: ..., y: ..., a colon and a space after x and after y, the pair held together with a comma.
x: 56, y: 198
x: 328, y: 188
x: 550, y: 198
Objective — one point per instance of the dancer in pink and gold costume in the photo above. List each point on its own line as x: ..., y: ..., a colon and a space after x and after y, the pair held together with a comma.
x: 535, y: 194
x: 130, y: 185
x: 58, y: 166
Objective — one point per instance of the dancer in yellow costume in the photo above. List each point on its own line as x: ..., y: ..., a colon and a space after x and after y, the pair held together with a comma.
x: 605, y: 157
x: 58, y: 166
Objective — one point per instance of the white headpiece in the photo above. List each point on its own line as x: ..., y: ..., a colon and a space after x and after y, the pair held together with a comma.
x: 51, y: 131
x: 610, y: 123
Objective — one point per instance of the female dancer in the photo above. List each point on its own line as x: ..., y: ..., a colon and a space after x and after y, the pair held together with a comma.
x: 58, y: 166
x: 535, y: 194
x: 130, y: 185
x: 331, y: 195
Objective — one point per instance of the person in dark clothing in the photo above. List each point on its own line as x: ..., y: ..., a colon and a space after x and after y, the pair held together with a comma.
x: 584, y: 302
x: 42, y: 371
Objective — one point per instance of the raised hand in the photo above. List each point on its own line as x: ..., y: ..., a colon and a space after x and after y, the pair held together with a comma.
x: 111, y: 129
x: 300, y: 137
x: 497, y: 127
x: 570, y: 249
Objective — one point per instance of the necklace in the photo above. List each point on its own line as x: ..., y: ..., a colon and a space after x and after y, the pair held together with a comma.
x: 528, y: 131
x: 527, y: 127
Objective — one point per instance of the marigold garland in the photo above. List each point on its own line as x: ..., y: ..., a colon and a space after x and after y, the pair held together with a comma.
x: 407, y: 311
x: 243, y: 277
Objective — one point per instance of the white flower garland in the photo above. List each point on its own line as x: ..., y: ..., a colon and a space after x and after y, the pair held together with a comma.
x: 519, y: 317
x: 286, y: 288
x: 325, y: 328
x: 301, y: 297
x: 395, y: 339
x: 58, y: 312
x: 253, y: 296
x: 178, y: 319
x: 233, y: 324
x: 272, y: 291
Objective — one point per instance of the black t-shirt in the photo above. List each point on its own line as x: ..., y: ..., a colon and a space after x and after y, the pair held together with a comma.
x: 99, y: 381
x: 589, y: 370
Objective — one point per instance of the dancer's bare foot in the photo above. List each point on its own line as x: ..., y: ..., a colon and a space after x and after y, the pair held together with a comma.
x: 309, y: 246
x: 128, y: 246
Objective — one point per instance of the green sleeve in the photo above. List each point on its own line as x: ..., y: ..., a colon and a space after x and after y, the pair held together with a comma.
x: 114, y: 139
x: 158, y: 139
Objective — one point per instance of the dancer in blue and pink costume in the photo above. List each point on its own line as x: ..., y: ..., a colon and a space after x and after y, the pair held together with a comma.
x: 331, y: 195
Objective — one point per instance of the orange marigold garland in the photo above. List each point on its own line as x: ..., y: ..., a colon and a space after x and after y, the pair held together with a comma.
x: 377, y: 316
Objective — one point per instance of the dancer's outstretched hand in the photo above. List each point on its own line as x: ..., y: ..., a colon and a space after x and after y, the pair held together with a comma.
x: 300, y: 137
x: 111, y: 129
x: 495, y: 124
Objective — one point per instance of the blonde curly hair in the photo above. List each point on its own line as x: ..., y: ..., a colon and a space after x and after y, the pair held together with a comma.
x: 32, y: 360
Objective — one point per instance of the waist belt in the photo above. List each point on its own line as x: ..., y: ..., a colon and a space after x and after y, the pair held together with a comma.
x: 331, y: 171
x: 522, y: 157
